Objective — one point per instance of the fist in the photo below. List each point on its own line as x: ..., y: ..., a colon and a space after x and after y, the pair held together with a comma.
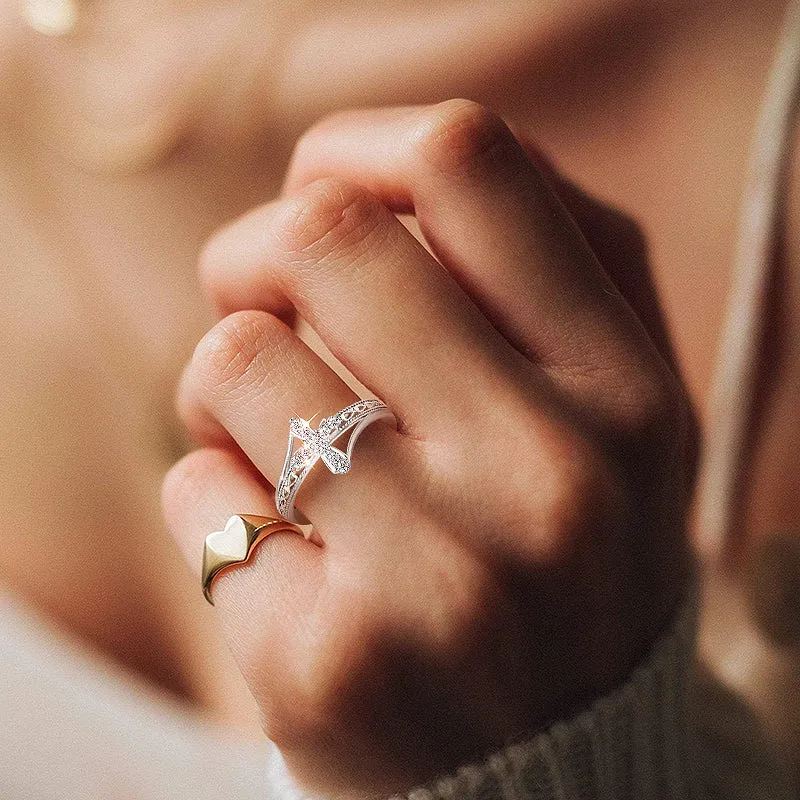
x: 512, y: 548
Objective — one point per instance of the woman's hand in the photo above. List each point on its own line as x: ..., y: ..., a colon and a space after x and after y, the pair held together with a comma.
x: 511, y: 550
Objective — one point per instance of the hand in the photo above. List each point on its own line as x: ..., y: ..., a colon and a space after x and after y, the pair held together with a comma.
x: 511, y: 550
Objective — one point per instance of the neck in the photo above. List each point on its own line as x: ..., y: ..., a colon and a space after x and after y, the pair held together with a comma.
x: 100, y: 310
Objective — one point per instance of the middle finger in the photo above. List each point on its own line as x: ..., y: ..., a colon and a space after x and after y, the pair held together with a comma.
x: 250, y: 374
x: 380, y: 302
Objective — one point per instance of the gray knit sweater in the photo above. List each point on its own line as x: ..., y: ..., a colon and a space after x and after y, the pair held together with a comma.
x: 635, y: 742
x: 662, y: 735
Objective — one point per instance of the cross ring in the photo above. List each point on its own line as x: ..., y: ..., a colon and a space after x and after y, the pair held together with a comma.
x: 318, y: 445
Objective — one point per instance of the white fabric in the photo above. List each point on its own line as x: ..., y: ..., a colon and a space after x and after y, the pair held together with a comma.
x: 74, y: 728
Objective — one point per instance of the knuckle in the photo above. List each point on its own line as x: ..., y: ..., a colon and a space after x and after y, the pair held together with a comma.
x: 460, y: 136
x: 329, y: 217
x: 304, y: 144
x: 212, y: 257
x: 580, y: 496
x: 214, y: 263
x: 462, y: 610
x: 308, y: 141
x: 656, y: 405
x: 237, y: 353
x: 313, y: 709
x: 187, y: 481
x: 659, y: 430
x: 180, y: 487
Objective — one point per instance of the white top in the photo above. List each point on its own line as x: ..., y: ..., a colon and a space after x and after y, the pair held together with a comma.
x: 75, y: 728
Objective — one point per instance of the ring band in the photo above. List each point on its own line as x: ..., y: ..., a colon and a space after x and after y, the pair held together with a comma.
x: 235, y: 543
x: 318, y: 444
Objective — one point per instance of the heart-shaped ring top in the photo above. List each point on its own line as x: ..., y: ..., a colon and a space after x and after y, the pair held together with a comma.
x: 234, y: 544
x: 231, y: 543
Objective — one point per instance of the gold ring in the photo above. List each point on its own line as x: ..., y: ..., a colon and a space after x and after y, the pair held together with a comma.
x: 235, y: 543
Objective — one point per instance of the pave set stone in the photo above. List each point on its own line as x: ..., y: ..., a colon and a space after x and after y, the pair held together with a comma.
x: 317, y: 444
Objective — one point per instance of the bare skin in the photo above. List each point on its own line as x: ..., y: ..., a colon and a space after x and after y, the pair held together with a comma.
x: 115, y: 166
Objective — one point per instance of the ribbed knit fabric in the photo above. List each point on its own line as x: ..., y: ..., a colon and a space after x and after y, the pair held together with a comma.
x: 635, y: 743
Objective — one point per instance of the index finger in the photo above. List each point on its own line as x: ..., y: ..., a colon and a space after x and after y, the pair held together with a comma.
x: 493, y: 220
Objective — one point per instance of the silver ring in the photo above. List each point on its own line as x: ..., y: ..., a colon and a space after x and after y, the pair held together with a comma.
x: 318, y: 444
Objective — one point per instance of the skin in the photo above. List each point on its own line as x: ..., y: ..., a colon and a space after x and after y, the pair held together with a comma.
x: 527, y: 588
x: 161, y: 144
